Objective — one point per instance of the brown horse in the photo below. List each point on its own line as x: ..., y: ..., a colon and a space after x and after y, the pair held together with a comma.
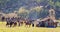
x: 20, y: 23
x: 28, y: 23
x: 55, y: 24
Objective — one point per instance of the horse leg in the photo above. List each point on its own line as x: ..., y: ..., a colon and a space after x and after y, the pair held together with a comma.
x: 19, y: 24
x: 10, y: 25
x: 29, y: 25
x: 32, y: 25
x: 15, y: 24
x: 7, y: 24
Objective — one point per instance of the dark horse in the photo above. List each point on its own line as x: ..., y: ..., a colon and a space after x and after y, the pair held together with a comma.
x: 28, y: 23
x: 10, y: 22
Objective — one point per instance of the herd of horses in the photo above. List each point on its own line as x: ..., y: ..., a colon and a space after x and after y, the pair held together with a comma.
x: 19, y: 21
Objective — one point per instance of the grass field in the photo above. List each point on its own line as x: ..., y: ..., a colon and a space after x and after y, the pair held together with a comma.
x: 3, y: 28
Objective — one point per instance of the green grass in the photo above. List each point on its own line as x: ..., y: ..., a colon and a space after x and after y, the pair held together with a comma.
x: 3, y: 28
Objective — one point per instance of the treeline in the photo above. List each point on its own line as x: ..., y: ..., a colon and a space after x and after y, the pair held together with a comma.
x: 30, y: 8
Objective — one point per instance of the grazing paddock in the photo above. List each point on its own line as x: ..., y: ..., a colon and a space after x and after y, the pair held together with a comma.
x: 3, y: 28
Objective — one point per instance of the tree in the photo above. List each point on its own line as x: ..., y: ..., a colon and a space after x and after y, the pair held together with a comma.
x: 23, y: 12
x: 34, y: 12
x: 57, y: 3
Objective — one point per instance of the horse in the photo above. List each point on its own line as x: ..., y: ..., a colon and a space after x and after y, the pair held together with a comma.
x: 3, y: 18
x: 55, y: 24
x: 29, y: 22
x: 10, y: 22
x: 20, y: 23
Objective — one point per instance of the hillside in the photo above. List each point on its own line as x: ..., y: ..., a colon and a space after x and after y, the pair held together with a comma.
x: 30, y: 8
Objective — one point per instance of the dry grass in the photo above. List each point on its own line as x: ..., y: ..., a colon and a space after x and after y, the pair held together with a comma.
x: 3, y: 28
